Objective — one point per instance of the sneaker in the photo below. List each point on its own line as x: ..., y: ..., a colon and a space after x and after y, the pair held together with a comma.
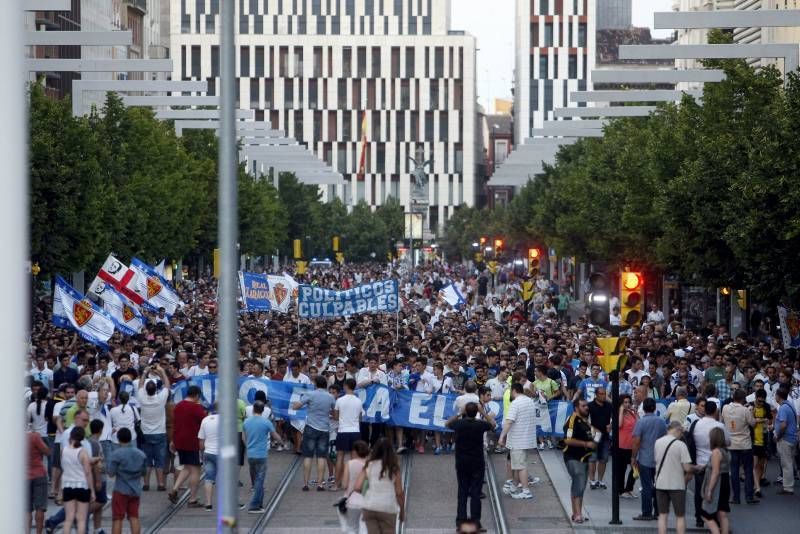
x: 779, y: 479
x: 522, y: 494
x: 593, y: 485
x: 541, y: 446
x: 312, y: 482
x: 601, y: 484
x: 256, y: 511
x: 208, y: 508
x: 401, y: 449
x: 437, y: 451
x: 533, y: 480
x: 242, y: 506
x: 508, y: 483
x: 550, y: 444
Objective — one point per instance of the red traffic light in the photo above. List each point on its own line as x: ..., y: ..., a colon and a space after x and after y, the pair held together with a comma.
x: 483, y: 240
x: 498, y: 244
x: 632, y: 281
x: 534, y: 254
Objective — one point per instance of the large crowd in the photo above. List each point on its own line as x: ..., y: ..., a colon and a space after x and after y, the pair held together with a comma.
x: 103, y: 427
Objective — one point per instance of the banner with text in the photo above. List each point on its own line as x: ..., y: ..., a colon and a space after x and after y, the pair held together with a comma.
x: 404, y: 408
x: 255, y: 291
x: 375, y: 297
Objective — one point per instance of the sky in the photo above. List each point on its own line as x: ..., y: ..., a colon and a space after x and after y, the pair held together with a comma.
x: 494, y: 29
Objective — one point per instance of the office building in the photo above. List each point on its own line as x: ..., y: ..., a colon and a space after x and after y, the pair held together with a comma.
x: 332, y: 72
x: 614, y: 14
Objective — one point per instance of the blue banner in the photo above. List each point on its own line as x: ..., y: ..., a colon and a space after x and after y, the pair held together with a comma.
x: 404, y: 408
x: 255, y: 291
x: 376, y: 297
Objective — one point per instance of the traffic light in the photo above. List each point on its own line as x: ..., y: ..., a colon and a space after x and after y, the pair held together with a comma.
x: 297, y: 248
x: 597, y: 300
x: 483, y: 241
x: 498, y: 246
x: 631, y: 286
x: 741, y: 298
x: 336, y: 243
x: 534, y: 257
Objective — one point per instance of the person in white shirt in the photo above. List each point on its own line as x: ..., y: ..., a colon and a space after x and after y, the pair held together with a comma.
x: 347, y: 411
x: 295, y: 376
x: 519, y: 435
x: 655, y: 315
x: 201, y: 368
x: 41, y: 373
x: 267, y: 411
x: 499, y: 384
x: 123, y: 415
x: 209, y: 444
x: 701, y: 433
x: 673, y: 468
x: 371, y: 374
x: 470, y: 395
x: 442, y: 385
x: 152, y: 407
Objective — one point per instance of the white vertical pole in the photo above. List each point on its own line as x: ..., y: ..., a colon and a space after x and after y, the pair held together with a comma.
x: 14, y: 237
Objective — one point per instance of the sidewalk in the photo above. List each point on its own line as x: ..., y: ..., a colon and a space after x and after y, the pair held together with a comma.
x: 597, y: 503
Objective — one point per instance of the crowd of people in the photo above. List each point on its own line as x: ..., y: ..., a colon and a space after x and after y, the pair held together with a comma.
x: 98, y: 415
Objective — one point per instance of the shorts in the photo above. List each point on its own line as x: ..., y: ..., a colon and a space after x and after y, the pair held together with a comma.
x: 189, y: 457
x: 55, y: 457
x: 601, y: 452
x: 315, y: 443
x: 676, y: 497
x: 37, y: 494
x: 210, y: 466
x: 154, y: 447
x: 760, y: 451
x: 77, y: 494
x: 101, y: 495
x: 519, y: 459
x: 124, y: 506
x: 345, y: 440
x: 579, y: 473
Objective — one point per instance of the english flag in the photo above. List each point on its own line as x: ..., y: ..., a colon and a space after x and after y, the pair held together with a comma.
x: 121, y: 278
x: 157, y: 292
x: 127, y: 316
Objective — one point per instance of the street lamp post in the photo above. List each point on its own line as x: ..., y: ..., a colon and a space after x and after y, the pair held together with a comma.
x: 612, y: 360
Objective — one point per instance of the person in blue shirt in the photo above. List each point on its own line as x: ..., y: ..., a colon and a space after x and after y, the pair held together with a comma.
x: 319, y: 404
x: 786, y: 437
x: 257, y: 430
x: 589, y: 386
x: 645, y: 434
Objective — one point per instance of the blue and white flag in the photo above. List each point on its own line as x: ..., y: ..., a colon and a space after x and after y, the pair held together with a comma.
x: 376, y: 297
x: 154, y: 288
x: 452, y: 295
x: 72, y: 310
x: 255, y: 291
x: 126, y: 315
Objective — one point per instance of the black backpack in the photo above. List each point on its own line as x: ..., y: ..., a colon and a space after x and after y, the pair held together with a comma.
x: 688, y: 438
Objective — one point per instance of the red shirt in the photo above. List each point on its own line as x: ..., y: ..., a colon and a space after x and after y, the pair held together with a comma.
x: 36, y: 451
x: 188, y: 416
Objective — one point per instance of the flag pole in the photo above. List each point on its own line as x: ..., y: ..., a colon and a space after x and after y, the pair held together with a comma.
x: 228, y: 478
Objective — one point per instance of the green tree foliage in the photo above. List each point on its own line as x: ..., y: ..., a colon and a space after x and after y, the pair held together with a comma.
x: 708, y: 190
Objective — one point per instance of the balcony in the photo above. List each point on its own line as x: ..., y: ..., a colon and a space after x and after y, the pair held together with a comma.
x: 141, y: 5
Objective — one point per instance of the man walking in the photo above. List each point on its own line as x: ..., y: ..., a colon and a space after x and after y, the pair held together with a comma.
x: 600, y: 419
x: 152, y: 407
x: 519, y: 436
x: 739, y: 420
x: 673, y: 472
x: 257, y: 431
x: 320, y: 405
x: 347, y: 412
x: 470, y: 466
x: 127, y: 464
x: 645, y: 434
x: 578, y: 446
x: 208, y: 436
x: 786, y: 438
x: 188, y: 415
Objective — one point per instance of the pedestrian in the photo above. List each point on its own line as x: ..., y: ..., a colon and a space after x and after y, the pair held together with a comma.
x: 208, y: 436
x: 600, y: 411
x: 351, y: 521
x: 257, y: 431
x: 123, y: 415
x: 98, y: 474
x: 716, y: 488
x: 579, y: 445
x: 187, y: 416
x: 519, y: 436
x: 762, y: 414
x: 384, y: 502
x: 786, y: 438
x: 645, y: 434
x: 152, y: 407
x: 701, y: 431
x: 319, y: 406
x: 347, y: 411
x: 470, y: 465
x: 37, y: 480
x: 627, y: 422
x: 76, y: 480
x: 128, y: 465
x: 739, y: 422
x: 672, y: 474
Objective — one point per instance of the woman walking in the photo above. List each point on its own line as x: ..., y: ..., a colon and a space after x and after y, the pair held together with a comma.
x: 717, y: 485
x: 384, y: 498
x: 627, y: 421
x: 123, y: 416
x: 76, y: 481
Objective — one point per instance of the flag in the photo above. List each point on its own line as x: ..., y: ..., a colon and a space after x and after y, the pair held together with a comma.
x: 121, y: 278
x: 281, y: 290
x: 161, y: 268
x: 127, y: 316
x: 72, y: 310
x: 451, y: 295
x: 362, y: 163
x: 157, y: 292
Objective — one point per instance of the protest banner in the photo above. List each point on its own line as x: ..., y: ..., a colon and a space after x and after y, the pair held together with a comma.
x: 255, y: 291
x: 376, y: 297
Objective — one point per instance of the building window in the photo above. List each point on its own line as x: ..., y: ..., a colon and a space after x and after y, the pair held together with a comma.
x: 535, y: 34
x: 573, y: 66
x: 336, y: 25
x: 317, y: 61
x: 312, y: 93
x: 414, y: 126
x: 298, y: 125
x: 395, y: 62
x: 410, y: 52
x: 341, y: 90
x: 444, y: 126
x: 412, y: 25
x: 544, y: 7
x: 298, y: 61
x: 459, y: 158
x: 347, y: 126
x: 356, y: 94
x: 288, y: 94
x: 543, y: 64
x: 347, y: 62
x: 400, y: 127
x: 254, y: 96
x: 269, y: 93
x: 214, y: 61
x: 429, y: 126
x: 316, y: 7
x: 548, y: 95
x: 196, y: 62
x: 548, y: 34
x: 244, y: 24
x: 371, y: 92
x: 458, y: 95
x: 244, y: 61
x: 434, y: 94
x: 438, y: 63
x: 283, y: 61
x: 582, y: 34
x: 405, y: 94
x: 375, y: 124
x: 260, y: 61
x: 361, y: 61
x: 376, y: 62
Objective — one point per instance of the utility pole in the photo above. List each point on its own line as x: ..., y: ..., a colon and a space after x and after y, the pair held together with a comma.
x: 227, y: 479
